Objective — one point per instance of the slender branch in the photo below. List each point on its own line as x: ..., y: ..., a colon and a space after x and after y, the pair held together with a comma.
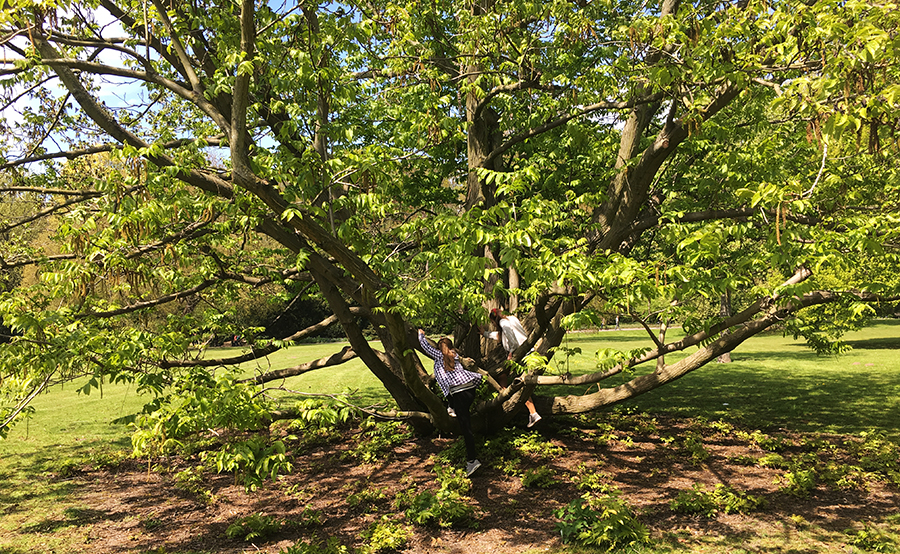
x: 176, y: 44
x: 47, y: 211
x: 104, y: 119
x: 32, y: 261
x: 504, y: 89
x: 550, y: 125
x: 101, y: 69
x: 49, y: 129
x: 151, y: 303
x: 192, y: 231
x: 129, y: 22
x: 653, y: 219
x: 821, y: 169
x: 73, y: 154
x: 27, y: 400
x: 25, y: 92
x: 42, y: 190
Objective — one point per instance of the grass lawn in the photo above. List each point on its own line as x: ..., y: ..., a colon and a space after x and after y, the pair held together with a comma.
x: 773, y: 382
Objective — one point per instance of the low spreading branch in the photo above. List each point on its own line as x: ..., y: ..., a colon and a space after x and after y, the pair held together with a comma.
x: 345, y: 355
x: 397, y: 415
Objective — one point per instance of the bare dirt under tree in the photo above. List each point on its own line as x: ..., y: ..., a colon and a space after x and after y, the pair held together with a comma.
x: 133, y: 509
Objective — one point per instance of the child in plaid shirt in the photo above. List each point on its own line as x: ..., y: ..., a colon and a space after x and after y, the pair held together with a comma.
x: 458, y: 386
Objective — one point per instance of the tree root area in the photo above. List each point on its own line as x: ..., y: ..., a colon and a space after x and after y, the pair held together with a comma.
x: 132, y: 508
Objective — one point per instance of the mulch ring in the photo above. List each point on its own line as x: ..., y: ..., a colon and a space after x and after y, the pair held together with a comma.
x: 332, y: 493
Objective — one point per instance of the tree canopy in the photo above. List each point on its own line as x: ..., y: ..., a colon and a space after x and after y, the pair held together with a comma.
x: 725, y: 166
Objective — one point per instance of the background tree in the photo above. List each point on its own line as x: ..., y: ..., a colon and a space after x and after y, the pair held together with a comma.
x: 419, y: 164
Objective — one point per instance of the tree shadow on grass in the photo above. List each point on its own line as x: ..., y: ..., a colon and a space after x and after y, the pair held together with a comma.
x: 72, y: 517
x: 56, y: 469
x: 847, y: 401
x: 887, y: 343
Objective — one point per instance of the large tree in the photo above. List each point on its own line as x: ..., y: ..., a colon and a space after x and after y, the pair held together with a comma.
x: 418, y: 164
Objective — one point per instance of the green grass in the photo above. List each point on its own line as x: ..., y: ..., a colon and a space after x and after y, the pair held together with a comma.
x: 68, y: 431
x: 773, y: 381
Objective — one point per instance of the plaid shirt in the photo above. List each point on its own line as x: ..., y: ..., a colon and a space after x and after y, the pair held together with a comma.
x: 457, y: 380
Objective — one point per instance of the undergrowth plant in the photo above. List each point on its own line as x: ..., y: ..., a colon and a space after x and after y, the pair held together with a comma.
x: 449, y: 506
x: 602, y: 521
x: 385, y: 535
x: 541, y: 478
x: 877, y: 454
x: 318, y: 413
x: 313, y: 546
x: 193, y: 481
x: 197, y: 401
x: 693, y: 446
x: 367, y: 496
x: 587, y: 479
x: 377, y: 439
x: 535, y: 445
x: 722, y: 498
x: 871, y: 539
x: 764, y: 441
x: 255, y: 526
x: 252, y: 460
x: 317, y: 421
x: 799, y: 481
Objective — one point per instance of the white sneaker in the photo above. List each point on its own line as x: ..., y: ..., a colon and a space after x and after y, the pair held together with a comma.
x: 533, y: 418
x: 451, y: 412
x: 472, y: 466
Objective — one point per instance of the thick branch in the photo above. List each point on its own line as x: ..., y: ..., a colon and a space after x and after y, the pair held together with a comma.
x: 739, y: 319
x: 668, y: 373
x: 239, y: 138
